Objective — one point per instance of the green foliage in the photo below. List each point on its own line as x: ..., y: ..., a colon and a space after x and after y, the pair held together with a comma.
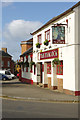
x: 46, y: 42
x: 38, y: 45
x: 32, y: 63
x: 55, y: 61
x: 21, y: 63
x: 26, y: 64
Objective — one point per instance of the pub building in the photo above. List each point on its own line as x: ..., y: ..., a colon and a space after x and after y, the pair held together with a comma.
x: 59, y: 38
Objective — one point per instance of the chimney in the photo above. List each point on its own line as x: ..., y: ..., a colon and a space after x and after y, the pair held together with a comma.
x: 25, y: 45
x: 4, y: 49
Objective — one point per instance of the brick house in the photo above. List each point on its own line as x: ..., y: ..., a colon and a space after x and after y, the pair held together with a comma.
x: 6, y: 61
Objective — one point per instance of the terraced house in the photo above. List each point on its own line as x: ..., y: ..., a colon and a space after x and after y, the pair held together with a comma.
x: 58, y: 41
x: 6, y: 61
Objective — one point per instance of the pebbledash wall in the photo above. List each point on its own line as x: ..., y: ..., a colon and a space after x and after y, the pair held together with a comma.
x: 66, y: 50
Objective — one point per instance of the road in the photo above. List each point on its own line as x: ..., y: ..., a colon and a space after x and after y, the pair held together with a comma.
x: 27, y: 109
x: 36, y: 108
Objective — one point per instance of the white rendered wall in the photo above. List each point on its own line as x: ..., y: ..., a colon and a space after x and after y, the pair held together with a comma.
x: 69, y: 68
x: 66, y: 51
x: 77, y: 48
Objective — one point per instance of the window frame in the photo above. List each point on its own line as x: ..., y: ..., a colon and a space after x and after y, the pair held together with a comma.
x: 39, y: 39
x: 60, y: 68
x: 34, y: 69
x: 2, y: 63
x: 31, y: 56
x: 27, y: 61
x: 49, y: 68
x: 8, y: 63
x: 46, y: 34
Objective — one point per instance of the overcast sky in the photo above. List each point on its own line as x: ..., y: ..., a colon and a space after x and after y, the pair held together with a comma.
x: 19, y: 19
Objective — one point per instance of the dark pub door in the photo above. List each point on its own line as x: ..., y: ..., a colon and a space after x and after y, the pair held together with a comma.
x: 41, y: 72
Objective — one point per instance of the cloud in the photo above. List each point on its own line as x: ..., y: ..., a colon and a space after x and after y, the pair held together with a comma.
x: 17, y: 31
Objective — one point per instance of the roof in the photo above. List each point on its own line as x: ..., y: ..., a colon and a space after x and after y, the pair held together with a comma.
x: 4, y: 54
x: 57, y: 17
x: 30, y: 40
x: 30, y: 50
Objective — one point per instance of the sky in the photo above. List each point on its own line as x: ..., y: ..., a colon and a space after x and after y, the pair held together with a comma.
x: 19, y: 19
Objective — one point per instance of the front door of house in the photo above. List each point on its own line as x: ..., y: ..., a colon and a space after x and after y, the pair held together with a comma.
x: 41, y: 72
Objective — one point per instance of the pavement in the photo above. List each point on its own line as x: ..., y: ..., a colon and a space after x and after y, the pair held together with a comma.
x: 14, y: 89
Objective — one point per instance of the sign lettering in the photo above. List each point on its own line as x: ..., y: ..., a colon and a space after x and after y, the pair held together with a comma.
x: 49, y: 54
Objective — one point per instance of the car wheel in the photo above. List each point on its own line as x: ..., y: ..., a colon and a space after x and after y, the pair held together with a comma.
x: 4, y: 79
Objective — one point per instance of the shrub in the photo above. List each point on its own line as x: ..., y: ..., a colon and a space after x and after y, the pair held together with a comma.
x: 55, y: 61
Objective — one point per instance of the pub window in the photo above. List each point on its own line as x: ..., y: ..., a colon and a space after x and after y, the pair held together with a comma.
x: 23, y: 67
x: 31, y: 66
x: 60, y: 68
x: 34, y: 69
x: 49, y: 68
x: 23, y: 64
x: 47, y: 35
x: 26, y: 61
x: 39, y: 37
x: 58, y: 34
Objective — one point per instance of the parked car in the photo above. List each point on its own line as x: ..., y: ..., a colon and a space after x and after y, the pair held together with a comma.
x: 3, y: 77
x: 8, y: 74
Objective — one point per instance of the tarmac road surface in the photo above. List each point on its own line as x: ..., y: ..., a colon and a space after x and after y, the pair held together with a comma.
x: 26, y: 109
x: 15, y: 88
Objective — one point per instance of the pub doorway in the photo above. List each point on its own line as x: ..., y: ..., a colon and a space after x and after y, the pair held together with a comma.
x: 41, y: 81
x: 39, y: 72
x: 49, y: 73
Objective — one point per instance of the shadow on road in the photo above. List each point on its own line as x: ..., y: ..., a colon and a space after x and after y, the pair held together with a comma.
x: 12, y: 82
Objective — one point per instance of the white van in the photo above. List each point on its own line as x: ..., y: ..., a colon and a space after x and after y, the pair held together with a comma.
x: 7, y: 73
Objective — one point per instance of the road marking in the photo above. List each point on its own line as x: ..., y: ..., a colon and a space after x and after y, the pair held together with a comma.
x: 35, y: 100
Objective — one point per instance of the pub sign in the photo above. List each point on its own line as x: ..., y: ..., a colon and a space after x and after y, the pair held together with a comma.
x: 49, y: 54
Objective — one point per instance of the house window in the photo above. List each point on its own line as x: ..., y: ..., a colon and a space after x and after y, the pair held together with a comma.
x: 34, y: 69
x: 39, y: 37
x: 27, y: 61
x: 24, y: 68
x: 58, y: 34
x: 49, y: 68
x: 2, y: 64
x: 8, y: 63
x: 60, y: 68
x: 47, y: 35
x: 23, y: 64
x: 31, y: 66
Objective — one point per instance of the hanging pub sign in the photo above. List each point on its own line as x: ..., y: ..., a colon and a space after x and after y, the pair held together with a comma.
x: 58, y: 34
x: 49, y: 54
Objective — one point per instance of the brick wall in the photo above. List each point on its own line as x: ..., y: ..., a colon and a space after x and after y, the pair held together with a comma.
x: 60, y: 85
x: 5, y: 60
x: 49, y: 82
x: 25, y: 47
